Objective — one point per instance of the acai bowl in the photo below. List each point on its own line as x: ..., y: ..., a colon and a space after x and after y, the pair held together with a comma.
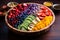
x: 29, y: 18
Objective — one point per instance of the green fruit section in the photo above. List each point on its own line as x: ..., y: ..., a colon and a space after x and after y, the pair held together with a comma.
x: 26, y: 22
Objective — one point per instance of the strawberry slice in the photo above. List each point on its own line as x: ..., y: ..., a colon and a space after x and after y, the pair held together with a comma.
x: 46, y: 10
x: 47, y: 14
x: 50, y: 14
x: 43, y: 7
x: 41, y: 18
x: 43, y: 15
x: 39, y: 14
x: 41, y: 11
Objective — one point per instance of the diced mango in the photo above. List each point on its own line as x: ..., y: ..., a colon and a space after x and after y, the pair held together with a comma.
x: 43, y: 23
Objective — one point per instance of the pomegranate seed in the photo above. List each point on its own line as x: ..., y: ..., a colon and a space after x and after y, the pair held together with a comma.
x: 19, y: 5
x: 11, y: 13
x: 9, y: 16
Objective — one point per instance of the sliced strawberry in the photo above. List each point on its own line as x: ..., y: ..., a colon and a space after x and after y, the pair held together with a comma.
x: 39, y: 14
x: 46, y: 10
x: 41, y: 18
x: 43, y: 15
x: 43, y: 7
x: 41, y: 11
x: 47, y: 14
x: 50, y: 14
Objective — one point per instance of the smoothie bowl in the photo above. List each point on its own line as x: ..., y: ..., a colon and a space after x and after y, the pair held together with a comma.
x: 29, y: 18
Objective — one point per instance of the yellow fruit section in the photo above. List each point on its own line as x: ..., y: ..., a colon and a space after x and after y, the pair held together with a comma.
x: 43, y: 23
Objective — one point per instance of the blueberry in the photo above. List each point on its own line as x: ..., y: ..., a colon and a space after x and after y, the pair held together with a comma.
x: 25, y: 16
x: 24, y: 12
x: 11, y: 19
x: 21, y: 14
x: 17, y: 17
x: 34, y: 5
x: 19, y: 22
x: 30, y: 5
x: 28, y: 10
x: 34, y: 11
x: 20, y: 18
x: 15, y: 26
x: 32, y: 8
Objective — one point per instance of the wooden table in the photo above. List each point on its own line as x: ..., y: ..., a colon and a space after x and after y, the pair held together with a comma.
x: 52, y: 34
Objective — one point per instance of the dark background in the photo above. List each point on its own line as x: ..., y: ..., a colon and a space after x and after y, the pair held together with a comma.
x: 52, y: 34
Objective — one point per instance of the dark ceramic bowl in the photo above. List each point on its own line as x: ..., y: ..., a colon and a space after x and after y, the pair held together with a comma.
x: 29, y: 33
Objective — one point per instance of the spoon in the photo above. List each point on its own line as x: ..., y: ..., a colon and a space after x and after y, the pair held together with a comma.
x: 53, y: 6
x: 56, y: 6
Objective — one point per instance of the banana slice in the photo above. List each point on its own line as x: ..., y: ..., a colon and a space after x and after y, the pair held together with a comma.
x: 37, y: 19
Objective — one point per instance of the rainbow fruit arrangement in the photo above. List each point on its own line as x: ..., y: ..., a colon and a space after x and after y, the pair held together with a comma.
x: 30, y: 17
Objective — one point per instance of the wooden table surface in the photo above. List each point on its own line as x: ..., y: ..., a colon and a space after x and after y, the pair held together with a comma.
x: 52, y: 34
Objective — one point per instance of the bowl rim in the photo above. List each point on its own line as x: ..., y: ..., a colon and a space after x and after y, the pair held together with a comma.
x: 30, y: 31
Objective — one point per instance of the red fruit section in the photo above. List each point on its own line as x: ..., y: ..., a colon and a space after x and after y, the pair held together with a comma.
x: 44, y: 11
